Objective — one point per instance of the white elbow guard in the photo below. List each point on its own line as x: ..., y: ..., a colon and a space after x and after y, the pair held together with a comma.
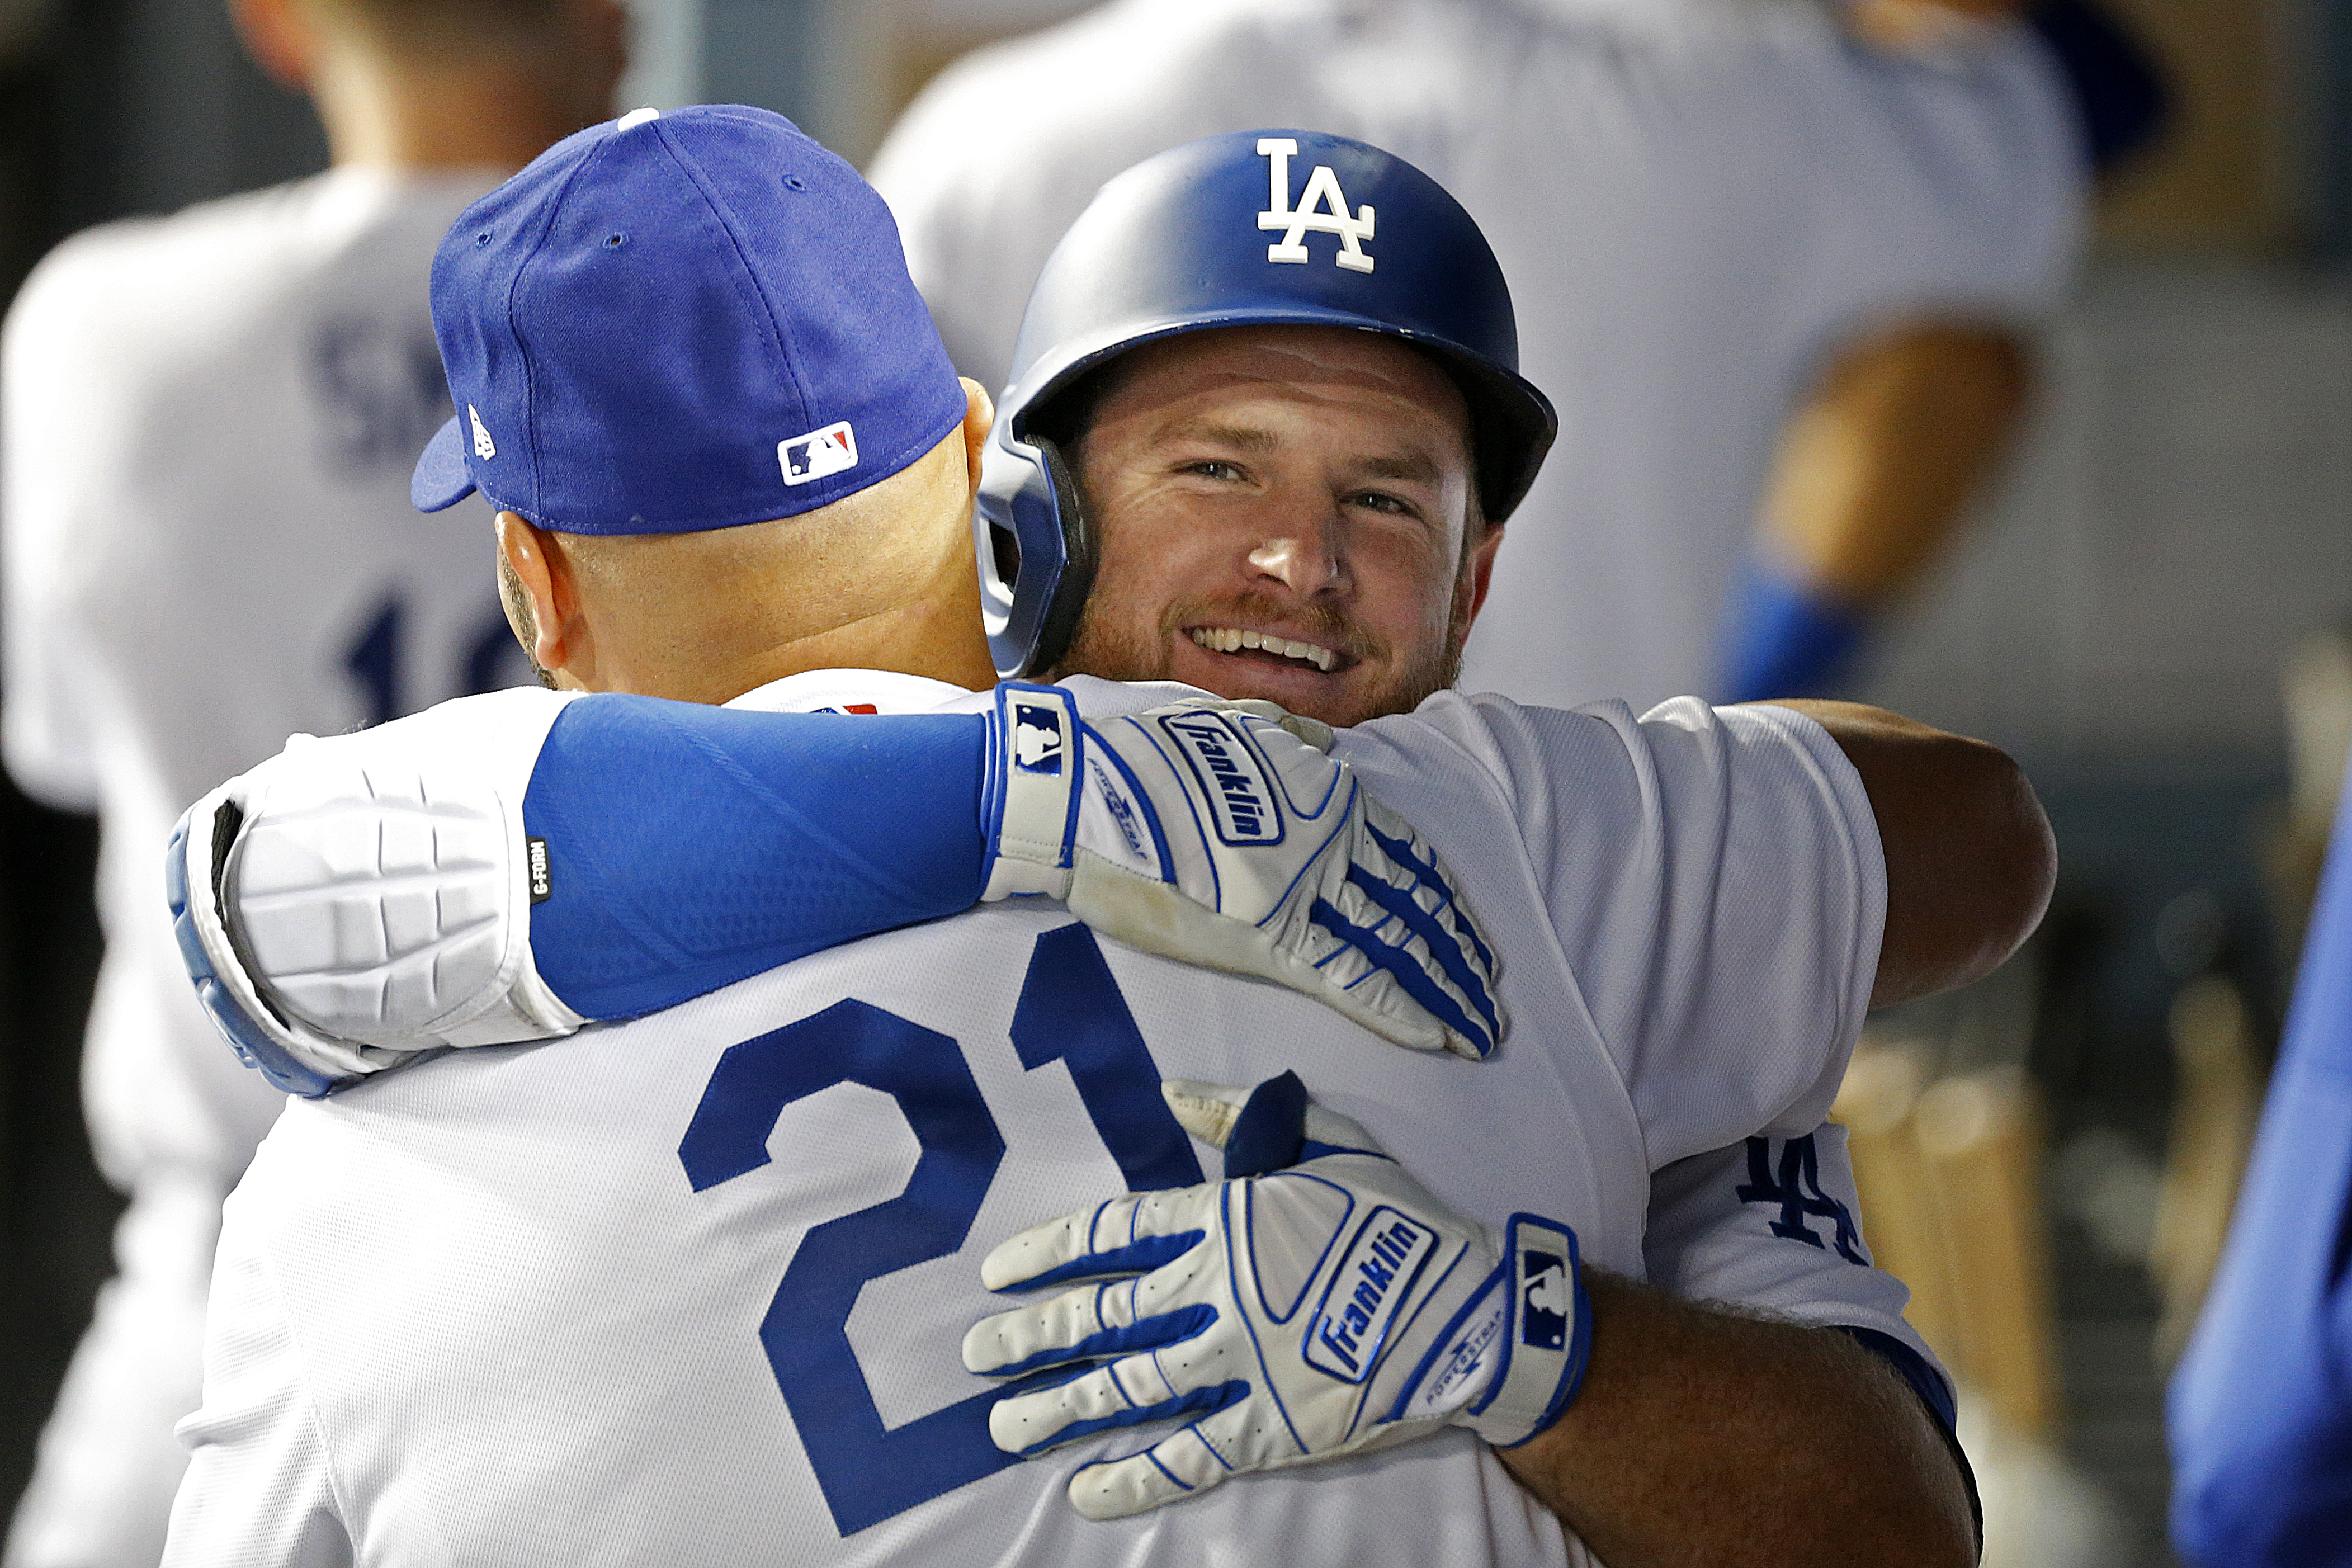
x: 357, y: 899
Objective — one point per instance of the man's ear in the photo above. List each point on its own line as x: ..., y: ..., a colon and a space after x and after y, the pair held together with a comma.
x: 1477, y: 576
x: 281, y: 36
x: 543, y: 602
x: 979, y: 413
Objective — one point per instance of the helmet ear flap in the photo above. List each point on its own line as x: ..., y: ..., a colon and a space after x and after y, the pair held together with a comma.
x: 1068, y: 599
x: 1036, y: 551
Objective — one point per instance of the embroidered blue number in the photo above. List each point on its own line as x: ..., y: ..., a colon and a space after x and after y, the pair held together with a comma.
x: 1070, y: 1010
x: 1796, y: 1188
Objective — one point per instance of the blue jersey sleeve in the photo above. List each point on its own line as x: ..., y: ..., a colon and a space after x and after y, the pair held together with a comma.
x: 689, y: 847
x: 2261, y: 1409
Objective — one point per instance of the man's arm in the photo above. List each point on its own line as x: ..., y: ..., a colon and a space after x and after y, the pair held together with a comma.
x: 2261, y: 1432
x: 1970, y: 861
x: 1703, y: 1437
x: 1874, y: 473
x: 511, y: 867
x: 1690, y: 1434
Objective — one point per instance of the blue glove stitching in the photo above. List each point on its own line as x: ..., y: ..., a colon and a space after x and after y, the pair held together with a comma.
x: 1339, y: 1228
x: 1423, y: 924
x: 1152, y: 1334
x: 1408, y: 974
x: 1401, y: 851
x: 1164, y: 1469
x: 1307, y: 866
x: 1249, y: 738
x: 1207, y: 1401
x: 1444, y: 1341
x: 1257, y: 1346
x: 1207, y: 834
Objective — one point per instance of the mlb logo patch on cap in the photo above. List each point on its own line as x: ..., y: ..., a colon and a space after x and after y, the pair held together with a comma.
x: 831, y: 450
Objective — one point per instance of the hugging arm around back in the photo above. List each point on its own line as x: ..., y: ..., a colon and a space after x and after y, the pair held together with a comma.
x: 1970, y: 861
x: 1688, y: 1411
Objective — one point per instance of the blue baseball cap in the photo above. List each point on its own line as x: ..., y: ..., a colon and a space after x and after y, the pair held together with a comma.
x: 672, y: 322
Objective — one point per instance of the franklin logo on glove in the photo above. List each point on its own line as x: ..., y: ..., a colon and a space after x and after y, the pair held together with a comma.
x: 1390, y: 1252
x: 1230, y: 774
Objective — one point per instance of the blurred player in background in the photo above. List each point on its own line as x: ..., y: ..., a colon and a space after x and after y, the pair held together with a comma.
x: 210, y: 424
x: 1775, y: 261
x: 2260, y: 1412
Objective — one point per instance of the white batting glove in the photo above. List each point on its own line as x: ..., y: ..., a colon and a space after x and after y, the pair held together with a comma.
x: 1330, y: 1308
x: 341, y: 907
x: 1223, y: 834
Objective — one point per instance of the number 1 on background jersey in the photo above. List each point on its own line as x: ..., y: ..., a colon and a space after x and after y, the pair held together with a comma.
x: 1070, y: 1010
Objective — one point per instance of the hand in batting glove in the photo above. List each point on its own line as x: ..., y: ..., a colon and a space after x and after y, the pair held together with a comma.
x: 1223, y: 834
x: 1328, y: 1307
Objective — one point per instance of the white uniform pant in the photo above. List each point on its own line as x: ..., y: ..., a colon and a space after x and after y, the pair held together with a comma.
x: 101, y: 1491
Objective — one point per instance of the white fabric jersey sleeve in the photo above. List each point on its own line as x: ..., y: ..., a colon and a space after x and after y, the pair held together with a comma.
x: 689, y: 1287
x: 1697, y: 203
x: 1792, y: 1247
x: 1732, y: 916
x: 259, y: 1430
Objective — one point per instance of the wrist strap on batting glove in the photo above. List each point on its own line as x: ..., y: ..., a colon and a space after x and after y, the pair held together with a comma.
x: 1030, y: 811
x: 1545, y: 1333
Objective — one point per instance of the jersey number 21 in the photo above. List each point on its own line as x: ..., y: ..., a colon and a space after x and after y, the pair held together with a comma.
x: 1070, y: 1011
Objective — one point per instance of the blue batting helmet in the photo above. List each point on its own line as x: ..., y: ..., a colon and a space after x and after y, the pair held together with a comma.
x: 1256, y: 228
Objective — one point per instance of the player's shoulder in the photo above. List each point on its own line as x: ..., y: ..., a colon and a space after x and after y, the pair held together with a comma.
x: 1597, y: 763
x: 125, y: 278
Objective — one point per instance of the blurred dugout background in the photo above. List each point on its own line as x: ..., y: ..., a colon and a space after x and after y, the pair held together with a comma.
x: 2150, y: 618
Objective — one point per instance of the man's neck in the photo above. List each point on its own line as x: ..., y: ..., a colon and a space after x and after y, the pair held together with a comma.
x: 389, y: 115
x: 930, y: 640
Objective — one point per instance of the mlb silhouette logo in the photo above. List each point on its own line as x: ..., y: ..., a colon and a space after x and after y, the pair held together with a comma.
x: 1544, y: 1301
x: 820, y: 452
x: 1037, y: 739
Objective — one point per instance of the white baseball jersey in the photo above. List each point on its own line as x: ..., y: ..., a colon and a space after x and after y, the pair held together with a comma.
x: 1694, y: 201
x: 210, y: 421
x: 690, y: 1289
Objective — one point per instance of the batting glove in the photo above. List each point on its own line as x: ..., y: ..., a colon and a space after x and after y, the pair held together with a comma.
x: 1329, y: 1308
x: 1224, y: 835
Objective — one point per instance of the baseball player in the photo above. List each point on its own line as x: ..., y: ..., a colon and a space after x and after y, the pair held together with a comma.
x: 2260, y: 1425
x: 1776, y: 260
x: 868, y: 1460
x: 209, y: 423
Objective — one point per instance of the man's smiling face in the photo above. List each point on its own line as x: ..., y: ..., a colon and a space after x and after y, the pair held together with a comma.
x: 1282, y: 514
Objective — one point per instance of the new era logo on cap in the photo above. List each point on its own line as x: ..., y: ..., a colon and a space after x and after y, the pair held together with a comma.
x: 831, y: 450
x: 484, y: 448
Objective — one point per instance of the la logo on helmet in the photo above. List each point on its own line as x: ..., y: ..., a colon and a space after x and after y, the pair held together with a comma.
x: 1321, y: 209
